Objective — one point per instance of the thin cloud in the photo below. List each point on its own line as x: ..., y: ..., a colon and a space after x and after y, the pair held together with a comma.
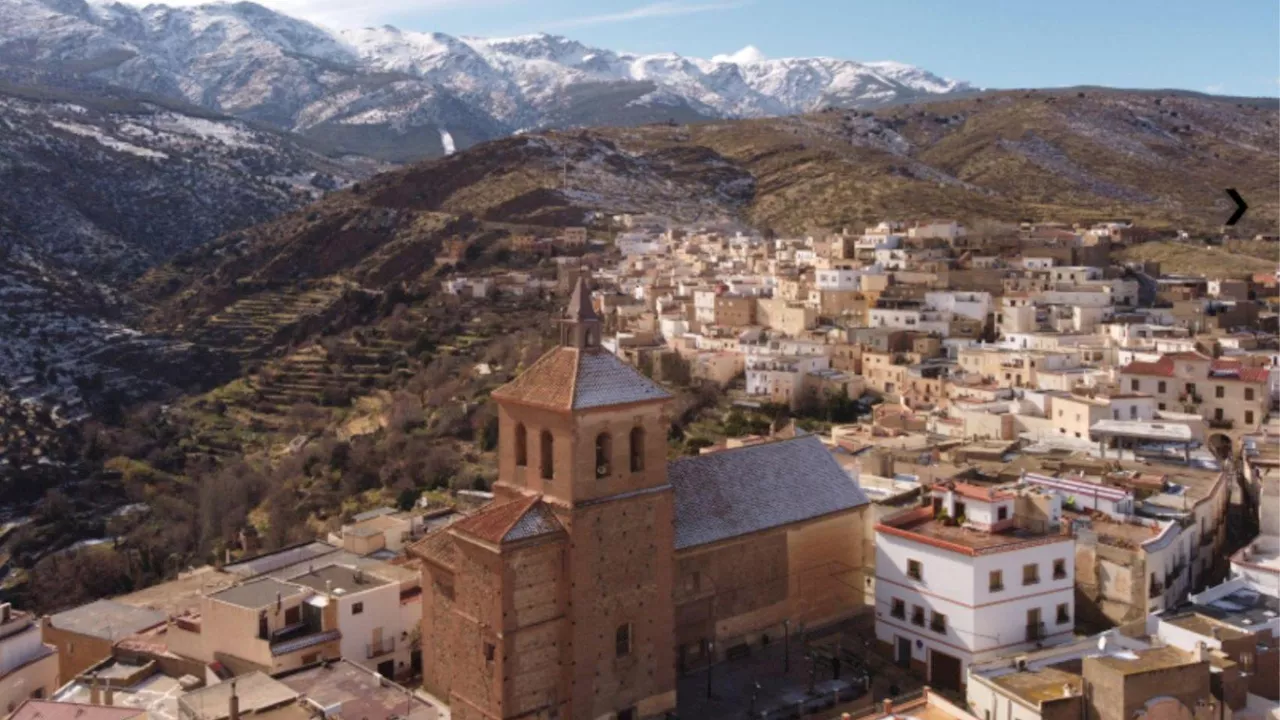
x: 644, y: 12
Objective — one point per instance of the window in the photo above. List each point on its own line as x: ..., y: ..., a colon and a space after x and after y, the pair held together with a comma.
x: 1030, y: 574
x: 938, y: 623
x: 1060, y: 569
x: 1161, y: 386
x: 1219, y: 392
x: 1248, y: 417
x: 1217, y: 413
x: 917, y: 615
x: 489, y: 651
x: 1064, y: 614
x: 1133, y: 385
x: 1191, y: 388
x: 604, y: 454
x: 293, y: 615
x: 622, y: 640
x: 1133, y: 412
x: 1002, y: 512
x: 995, y: 581
x: 357, y: 608
x: 1248, y: 393
x: 522, y: 446
x: 915, y: 571
x: 545, y: 456
x: 637, y: 449
x: 899, y: 609
x: 1161, y: 406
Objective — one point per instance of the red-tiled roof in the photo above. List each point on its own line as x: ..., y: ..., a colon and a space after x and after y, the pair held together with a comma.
x: 1162, y: 367
x: 568, y: 378
x: 515, y: 520
x: 1255, y: 374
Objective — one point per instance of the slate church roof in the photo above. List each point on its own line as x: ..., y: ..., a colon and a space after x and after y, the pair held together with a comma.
x: 730, y: 493
x: 569, y: 378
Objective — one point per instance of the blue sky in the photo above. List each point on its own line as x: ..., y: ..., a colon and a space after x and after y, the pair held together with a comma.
x: 1228, y: 47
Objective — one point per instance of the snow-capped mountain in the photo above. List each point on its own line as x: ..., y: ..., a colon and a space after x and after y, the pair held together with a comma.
x: 399, y: 95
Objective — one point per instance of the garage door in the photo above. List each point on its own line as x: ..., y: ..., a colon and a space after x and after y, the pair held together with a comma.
x: 944, y: 670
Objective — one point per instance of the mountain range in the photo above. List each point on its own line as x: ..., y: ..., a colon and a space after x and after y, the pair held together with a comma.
x: 398, y: 95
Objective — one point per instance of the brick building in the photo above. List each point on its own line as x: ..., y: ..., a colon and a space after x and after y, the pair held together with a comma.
x: 597, y: 567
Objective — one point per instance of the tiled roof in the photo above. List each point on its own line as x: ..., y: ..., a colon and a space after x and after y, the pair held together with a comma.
x: 735, y: 492
x: 437, y: 547
x: 568, y: 378
x: 511, y: 521
x: 1162, y: 367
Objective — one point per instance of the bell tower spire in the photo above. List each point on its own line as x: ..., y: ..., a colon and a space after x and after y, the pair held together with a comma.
x: 580, y: 325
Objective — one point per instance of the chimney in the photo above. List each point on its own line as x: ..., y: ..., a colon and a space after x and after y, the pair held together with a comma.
x: 887, y: 706
x: 233, y: 704
x: 95, y: 695
x: 1067, y: 691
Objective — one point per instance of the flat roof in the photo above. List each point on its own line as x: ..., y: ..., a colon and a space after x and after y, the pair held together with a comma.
x: 920, y: 525
x: 1243, y: 608
x: 1139, y: 661
x: 339, y: 578
x: 157, y: 694
x: 357, y: 692
x: 1046, y: 683
x: 285, y: 557
x: 256, y: 691
x: 1165, y: 432
x: 258, y: 593
x: 107, y: 619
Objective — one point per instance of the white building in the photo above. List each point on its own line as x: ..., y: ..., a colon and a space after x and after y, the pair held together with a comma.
x: 28, y: 667
x: 968, y: 580
x: 974, y: 305
x: 376, y: 627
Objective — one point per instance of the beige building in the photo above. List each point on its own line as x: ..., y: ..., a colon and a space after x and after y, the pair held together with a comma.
x: 1226, y: 394
x: 788, y: 318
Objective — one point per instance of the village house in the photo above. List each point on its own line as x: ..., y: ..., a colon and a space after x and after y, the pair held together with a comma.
x: 977, y: 574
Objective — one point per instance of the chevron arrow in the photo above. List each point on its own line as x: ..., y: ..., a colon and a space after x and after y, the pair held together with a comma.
x: 1240, y: 206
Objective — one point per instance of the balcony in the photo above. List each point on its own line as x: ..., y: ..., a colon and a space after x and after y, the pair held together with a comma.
x: 1221, y: 424
x: 938, y: 627
x: 373, y: 650
x: 1036, y: 632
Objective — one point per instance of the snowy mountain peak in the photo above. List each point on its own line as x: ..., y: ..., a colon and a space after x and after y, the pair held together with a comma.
x: 396, y: 92
x: 745, y: 56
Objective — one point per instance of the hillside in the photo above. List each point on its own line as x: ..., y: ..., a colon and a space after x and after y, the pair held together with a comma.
x: 110, y: 182
x: 1070, y: 156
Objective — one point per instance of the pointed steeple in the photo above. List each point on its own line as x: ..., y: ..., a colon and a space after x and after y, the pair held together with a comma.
x: 580, y: 326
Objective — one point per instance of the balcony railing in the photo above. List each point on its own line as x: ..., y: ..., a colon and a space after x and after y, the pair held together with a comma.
x: 1036, y: 631
x: 1221, y: 424
x: 373, y: 650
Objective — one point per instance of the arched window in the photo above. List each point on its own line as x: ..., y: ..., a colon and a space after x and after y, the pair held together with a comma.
x: 637, y: 449
x: 548, y: 449
x: 604, y: 454
x: 522, y: 446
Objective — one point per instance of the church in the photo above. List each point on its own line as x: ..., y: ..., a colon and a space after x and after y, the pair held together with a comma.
x: 601, y: 569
